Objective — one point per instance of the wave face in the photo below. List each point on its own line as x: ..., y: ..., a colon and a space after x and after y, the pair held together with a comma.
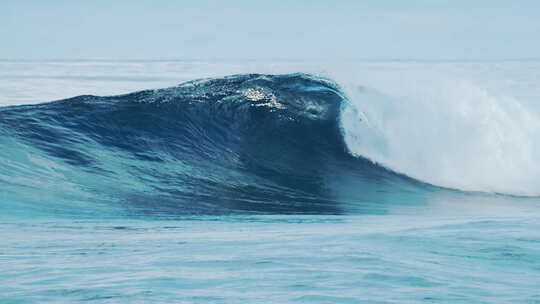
x: 245, y: 143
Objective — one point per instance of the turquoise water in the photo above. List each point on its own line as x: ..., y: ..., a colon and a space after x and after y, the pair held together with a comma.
x: 272, y: 259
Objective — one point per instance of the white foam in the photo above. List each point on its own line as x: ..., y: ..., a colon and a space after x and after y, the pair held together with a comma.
x: 446, y: 129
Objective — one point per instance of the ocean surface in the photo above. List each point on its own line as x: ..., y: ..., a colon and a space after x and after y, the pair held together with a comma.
x: 269, y: 182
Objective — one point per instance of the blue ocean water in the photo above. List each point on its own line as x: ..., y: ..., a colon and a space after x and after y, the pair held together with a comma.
x: 270, y: 188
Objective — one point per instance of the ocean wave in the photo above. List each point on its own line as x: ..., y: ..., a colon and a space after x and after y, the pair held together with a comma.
x: 239, y: 144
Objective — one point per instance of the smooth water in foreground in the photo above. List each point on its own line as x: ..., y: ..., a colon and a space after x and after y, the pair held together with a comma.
x: 381, y: 182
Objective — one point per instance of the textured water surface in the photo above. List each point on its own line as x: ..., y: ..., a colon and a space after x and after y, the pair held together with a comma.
x: 307, y: 259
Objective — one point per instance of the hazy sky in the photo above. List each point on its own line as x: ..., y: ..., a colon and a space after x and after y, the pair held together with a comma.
x: 310, y: 29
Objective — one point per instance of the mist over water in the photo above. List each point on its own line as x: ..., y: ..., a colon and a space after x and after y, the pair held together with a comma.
x: 448, y: 130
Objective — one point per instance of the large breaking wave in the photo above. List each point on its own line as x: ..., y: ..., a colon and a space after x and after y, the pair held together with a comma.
x: 238, y: 144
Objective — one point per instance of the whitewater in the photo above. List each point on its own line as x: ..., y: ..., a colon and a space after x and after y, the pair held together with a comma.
x: 269, y: 182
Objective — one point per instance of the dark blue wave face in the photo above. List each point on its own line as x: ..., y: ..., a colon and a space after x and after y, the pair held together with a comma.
x: 239, y: 144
